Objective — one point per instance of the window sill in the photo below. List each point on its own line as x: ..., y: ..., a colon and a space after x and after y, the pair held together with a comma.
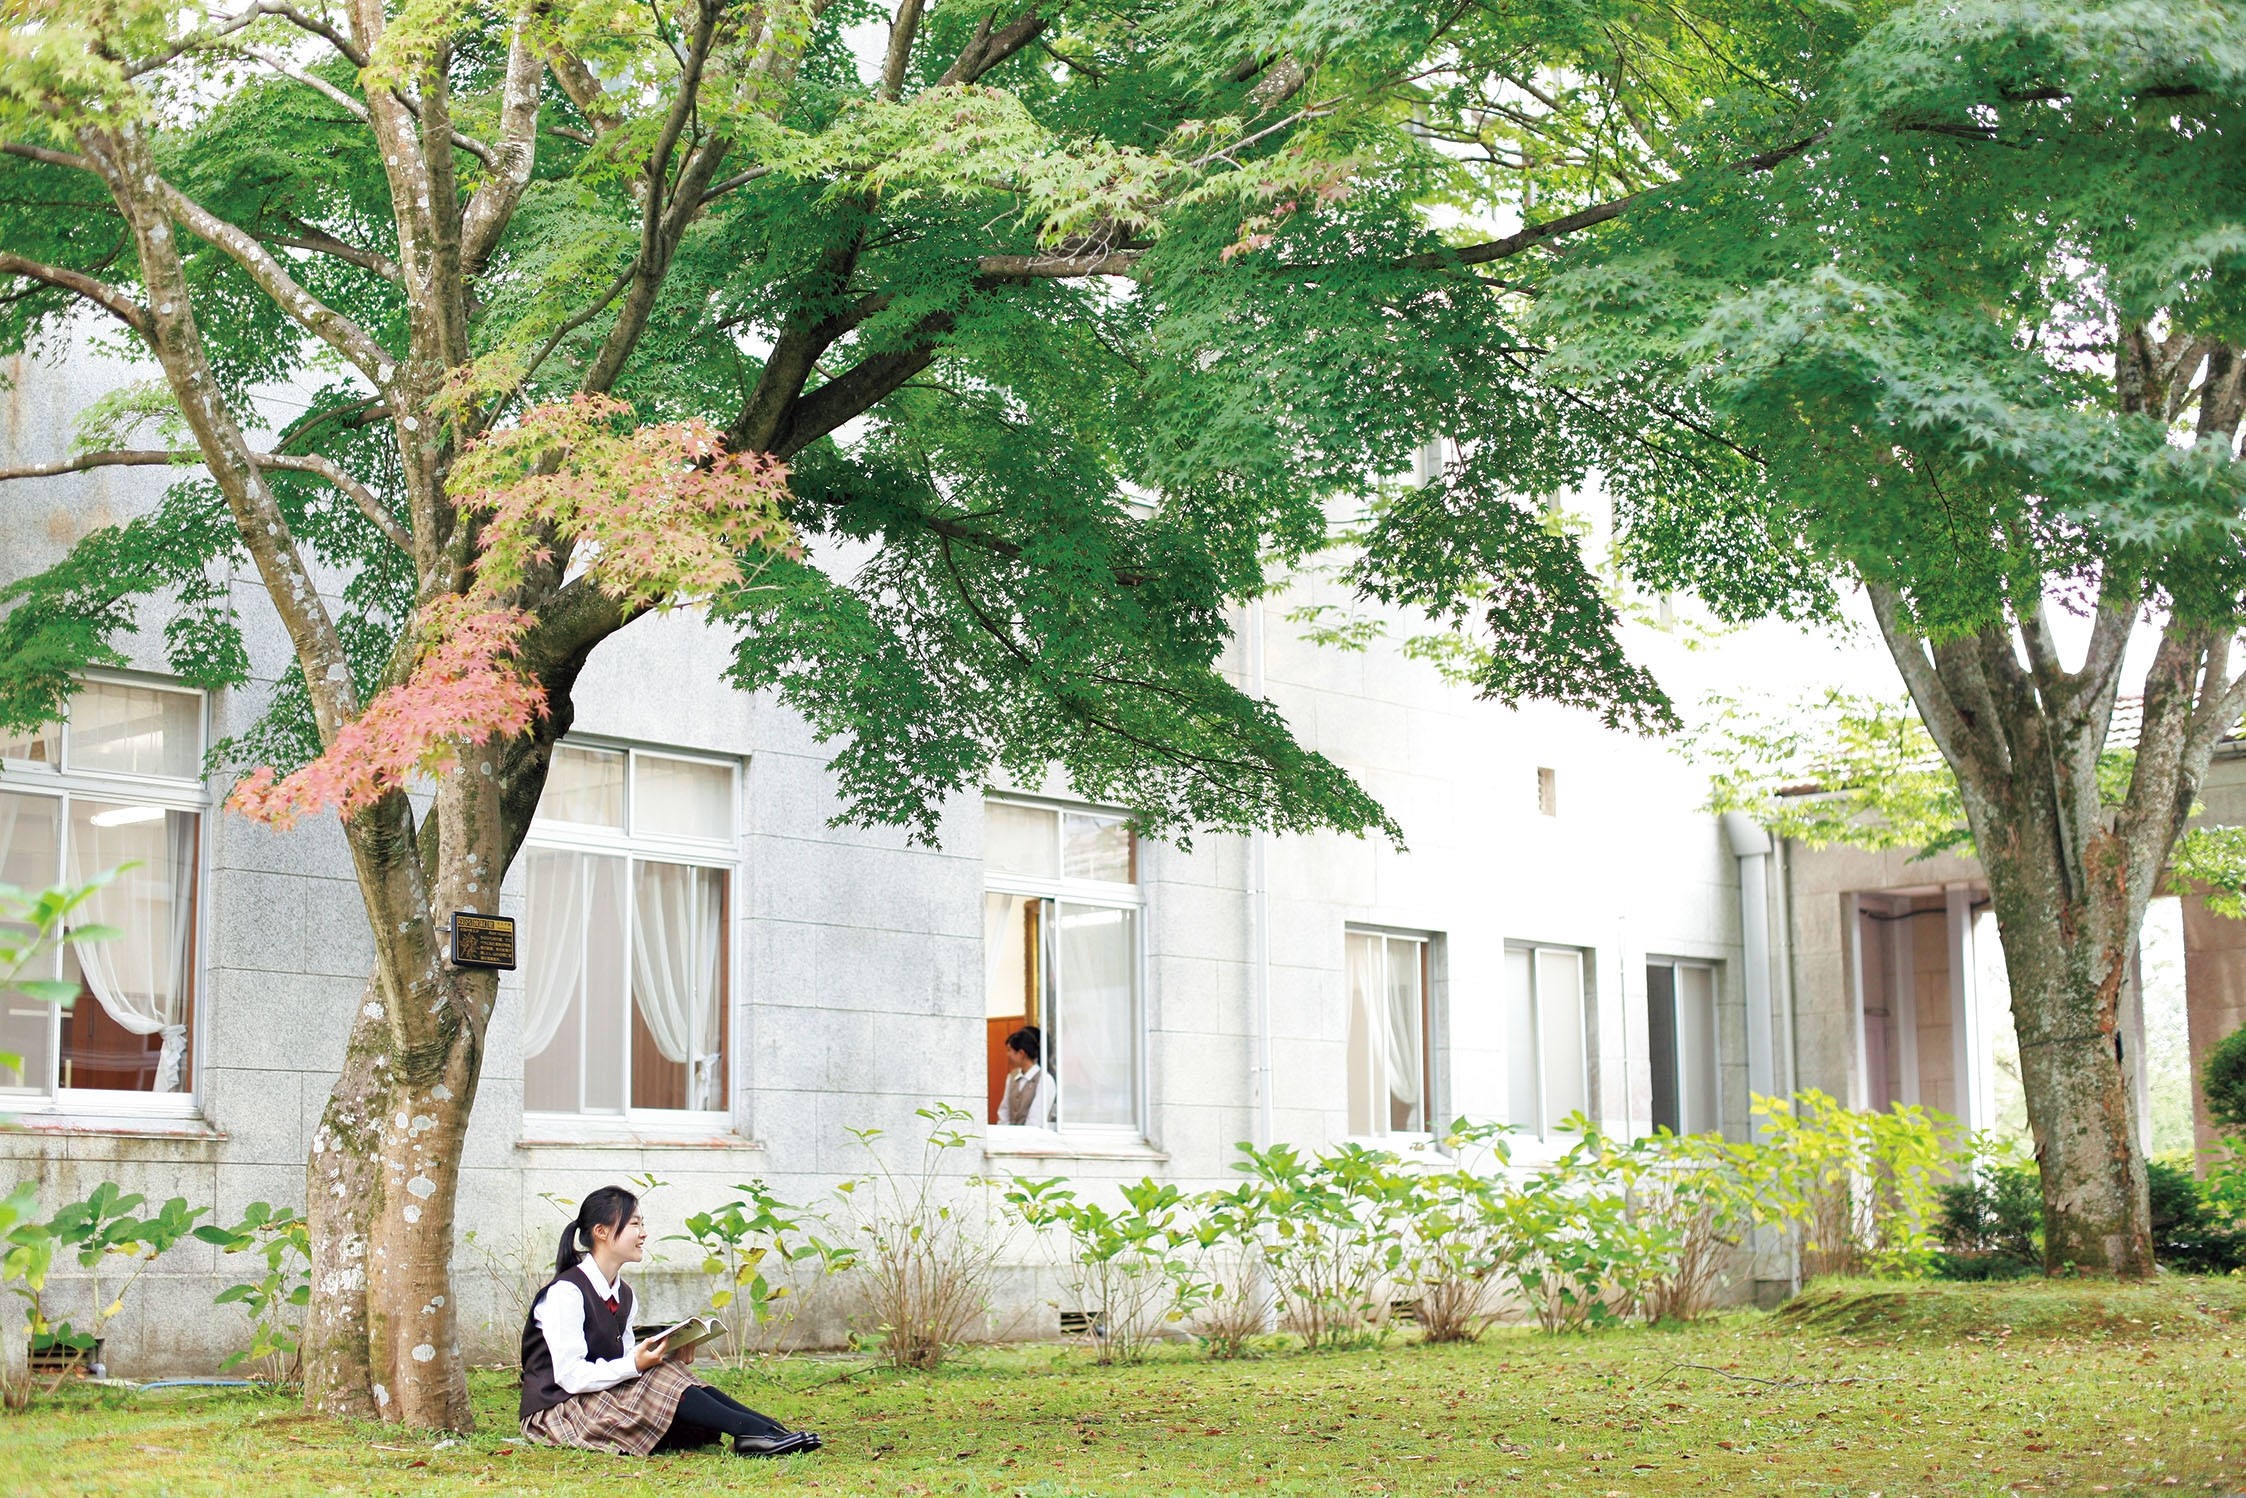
x: 544, y: 1136
x: 1004, y: 1142
x: 58, y: 1124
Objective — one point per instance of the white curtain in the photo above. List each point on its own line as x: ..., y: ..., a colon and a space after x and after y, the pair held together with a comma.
x: 140, y: 978
x: 1405, y: 1053
x: 675, y: 914
x: 1098, y: 1018
x: 554, y: 913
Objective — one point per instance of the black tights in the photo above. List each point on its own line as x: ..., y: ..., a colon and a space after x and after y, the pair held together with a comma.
x: 705, y: 1413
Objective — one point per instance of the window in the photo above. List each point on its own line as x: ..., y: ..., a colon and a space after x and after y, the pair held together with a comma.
x: 1547, y: 1053
x: 118, y: 782
x: 1389, y: 1056
x: 1061, y: 957
x: 1681, y: 1021
x: 628, y: 959
x: 1547, y: 792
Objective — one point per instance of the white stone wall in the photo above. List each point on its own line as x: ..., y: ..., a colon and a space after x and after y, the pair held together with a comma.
x: 858, y: 962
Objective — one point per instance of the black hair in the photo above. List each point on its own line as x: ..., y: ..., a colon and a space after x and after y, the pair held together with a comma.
x: 1029, y: 1040
x: 610, y: 1207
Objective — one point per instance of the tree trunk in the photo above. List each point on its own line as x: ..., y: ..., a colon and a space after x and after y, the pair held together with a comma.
x: 2067, y: 961
x: 412, y: 1320
x: 341, y: 1189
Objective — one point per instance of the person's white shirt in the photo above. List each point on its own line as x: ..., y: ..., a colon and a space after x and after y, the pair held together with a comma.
x: 1029, y: 1098
x: 561, y: 1316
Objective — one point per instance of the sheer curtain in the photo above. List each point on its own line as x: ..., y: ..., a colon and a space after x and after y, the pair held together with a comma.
x: 1365, y: 1035
x: 1098, y: 1013
x: 1406, y: 1087
x: 140, y: 977
x: 554, y: 915
x: 675, y: 915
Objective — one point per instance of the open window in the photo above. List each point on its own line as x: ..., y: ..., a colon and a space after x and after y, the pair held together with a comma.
x: 1061, y: 912
x: 1547, y: 1045
x: 117, y: 782
x: 1390, y: 1053
x: 1681, y: 1026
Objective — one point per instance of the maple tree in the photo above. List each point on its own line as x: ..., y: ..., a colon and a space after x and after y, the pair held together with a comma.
x: 1059, y: 324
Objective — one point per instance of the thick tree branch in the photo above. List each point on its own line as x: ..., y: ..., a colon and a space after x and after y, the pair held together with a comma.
x: 303, y: 236
x: 902, y: 30
x: 494, y: 202
x: 160, y: 457
x: 990, y: 48
x: 309, y: 312
x: 112, y: 299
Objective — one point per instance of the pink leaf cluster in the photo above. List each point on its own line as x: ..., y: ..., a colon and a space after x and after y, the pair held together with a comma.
x: 465, y: 690
x: 657, y: 515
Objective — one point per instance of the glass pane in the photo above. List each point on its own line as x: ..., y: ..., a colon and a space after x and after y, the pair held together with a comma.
x: 573, y: 982
x: 681, y: 798
x: 1520, y: 1039
x: 1696, y: 1049
x: 129, y: 1028
x: 1661, y: 1044
x: 136, y: 731
x: 585, y: 786
x: 40, y: 746
x: 31, y: 860
x: 1093, y: 1049
x: 1020, y: 839
x: 555, y: 893
x: 1365, y: 1065
x: 607, y: 986
x: 1559, y: 1014
x: 1095, y: 847
x: 1407, y: 1049
x: 678, y: 942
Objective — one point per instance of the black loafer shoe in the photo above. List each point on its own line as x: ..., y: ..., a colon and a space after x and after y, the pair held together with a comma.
x: 787, y: 1445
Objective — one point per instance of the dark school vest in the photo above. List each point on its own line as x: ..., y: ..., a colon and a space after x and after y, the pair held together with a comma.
x: 604, y: 1338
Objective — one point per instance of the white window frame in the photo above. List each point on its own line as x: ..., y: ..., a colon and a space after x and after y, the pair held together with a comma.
x: 723, y: 854
x: 1714, y: 970
x: 1131, y: 897
x: 1429, y: 1038
x: 173, y: 793
x: 1587, y: 967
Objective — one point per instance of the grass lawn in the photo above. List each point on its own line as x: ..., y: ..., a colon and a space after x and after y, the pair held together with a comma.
x: 1862, y: 1389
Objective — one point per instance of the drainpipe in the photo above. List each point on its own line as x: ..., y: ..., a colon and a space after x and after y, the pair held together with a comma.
x: 1774, y: 1269
x: 1259, y: 913
x: 1750, y: 844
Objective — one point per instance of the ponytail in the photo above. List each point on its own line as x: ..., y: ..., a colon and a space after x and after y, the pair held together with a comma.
x: 609, y: 1207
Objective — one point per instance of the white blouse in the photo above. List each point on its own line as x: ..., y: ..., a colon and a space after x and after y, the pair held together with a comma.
x: 561, y: 1317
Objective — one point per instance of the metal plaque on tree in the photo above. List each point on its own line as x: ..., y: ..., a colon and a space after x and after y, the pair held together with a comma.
x: 483, y: 940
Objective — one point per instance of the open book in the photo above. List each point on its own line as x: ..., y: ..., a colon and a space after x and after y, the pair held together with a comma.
x: 688, y: 1334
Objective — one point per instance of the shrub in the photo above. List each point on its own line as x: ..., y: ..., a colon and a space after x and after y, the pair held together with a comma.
x: 739, y: 1240
x: 98, y: 1230
x: 281, y: 1237
x: 1568, y: 1239
x: 1455, y: 1242
x: 1861, y: 1187
x: 924, y: 1258
x: 2187, y: 1232
x: 2222, y: 1078
x: 1229, y: 1235
x: 1135, y: 1270
x: 1695, y: 1195
x: 1334, y: 1238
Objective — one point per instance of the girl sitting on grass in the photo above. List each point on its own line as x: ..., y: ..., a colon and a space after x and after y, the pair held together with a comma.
x: 587, y: 1381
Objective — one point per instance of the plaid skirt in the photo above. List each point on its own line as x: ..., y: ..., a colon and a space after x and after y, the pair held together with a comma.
x: 626, y: 1420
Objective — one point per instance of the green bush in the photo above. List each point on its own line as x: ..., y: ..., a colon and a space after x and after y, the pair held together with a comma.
x: 2186, y: 1231
x: 2222, y: 1076
x: 1992, y: 1218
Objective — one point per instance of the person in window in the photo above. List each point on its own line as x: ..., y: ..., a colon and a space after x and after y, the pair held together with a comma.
x: 1030, y: 1096
x: 589, y: 1382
